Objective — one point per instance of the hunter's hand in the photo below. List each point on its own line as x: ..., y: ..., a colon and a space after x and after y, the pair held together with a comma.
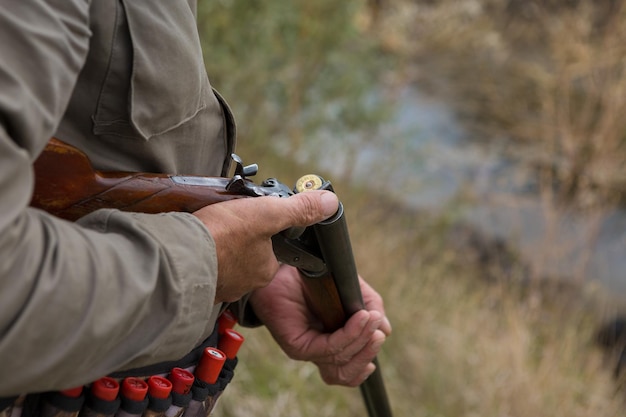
x: 343, y: 357
x: 243, y: 228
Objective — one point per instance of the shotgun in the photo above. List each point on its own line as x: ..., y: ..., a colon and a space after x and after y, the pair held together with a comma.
x: 67, y: 186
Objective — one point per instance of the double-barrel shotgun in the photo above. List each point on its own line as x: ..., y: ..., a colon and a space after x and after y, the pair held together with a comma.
x: 67, y: 186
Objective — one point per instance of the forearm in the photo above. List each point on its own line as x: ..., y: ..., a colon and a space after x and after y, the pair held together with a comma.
x: 79, y: 303
x: 81, y: 300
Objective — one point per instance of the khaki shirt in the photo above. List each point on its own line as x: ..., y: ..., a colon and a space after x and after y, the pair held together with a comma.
x: 125, y: 82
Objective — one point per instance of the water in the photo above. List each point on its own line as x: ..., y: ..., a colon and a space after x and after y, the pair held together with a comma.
x: 425, y: 159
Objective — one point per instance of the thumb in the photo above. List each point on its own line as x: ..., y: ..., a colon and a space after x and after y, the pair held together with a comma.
x: 305, y: 209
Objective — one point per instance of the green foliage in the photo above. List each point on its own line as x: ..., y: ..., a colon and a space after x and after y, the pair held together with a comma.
x: 292, y: 70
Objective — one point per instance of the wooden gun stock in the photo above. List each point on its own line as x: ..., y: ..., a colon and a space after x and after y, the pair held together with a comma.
x: 67, y: 186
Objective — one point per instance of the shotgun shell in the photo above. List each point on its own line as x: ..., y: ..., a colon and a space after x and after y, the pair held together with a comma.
x: 230, y: 342
x: 181, y: 379
x: 159, y: 387
x: 308, y: 183
x: 134, y: 389
x: 105, y: 389
x: 72, y: 392
x: 210, y: 366
x: 226, y: 320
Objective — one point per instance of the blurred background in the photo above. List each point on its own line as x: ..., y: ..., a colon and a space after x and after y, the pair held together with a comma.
x: 479, y: 147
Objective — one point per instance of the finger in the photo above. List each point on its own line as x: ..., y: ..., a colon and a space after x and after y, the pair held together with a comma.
x: 367, y: 371
x: 324, y: 348
x: 361, y: 364
x: 360, y: 341
x: 345, y: 343
x: 358, y: 369
x: 369, y: 350
x: 302, y: 209
x: 374, y: 302
x: 270, y: 215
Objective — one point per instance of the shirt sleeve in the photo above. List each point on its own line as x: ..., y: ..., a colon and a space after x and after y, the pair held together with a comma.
x: 115, y: 290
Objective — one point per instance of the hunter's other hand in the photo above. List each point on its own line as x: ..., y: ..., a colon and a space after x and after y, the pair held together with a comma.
x: 343, y: 357
x: 243, y: 228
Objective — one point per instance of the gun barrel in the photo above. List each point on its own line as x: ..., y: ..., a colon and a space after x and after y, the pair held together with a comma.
x: 375, y: 395
x: 334, y: 244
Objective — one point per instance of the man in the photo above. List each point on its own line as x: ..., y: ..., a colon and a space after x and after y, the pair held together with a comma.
x: 124, y: 81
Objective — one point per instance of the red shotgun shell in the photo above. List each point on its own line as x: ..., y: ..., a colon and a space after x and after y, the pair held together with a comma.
x: 210, y: 366
x: 226, y: 320
x: 134, y: 389
x: 159, y: 387
x: 230, y: 342
x: 72, y: 392
x: 181, y: 379
x: 105, y: 389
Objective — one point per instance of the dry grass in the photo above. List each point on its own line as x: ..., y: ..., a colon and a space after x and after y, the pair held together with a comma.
x: 462, y: 345
x: 471, y: 339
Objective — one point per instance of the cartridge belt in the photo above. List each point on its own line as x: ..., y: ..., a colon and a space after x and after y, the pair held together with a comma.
x: 190, y: 359
x: 186, y: 387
